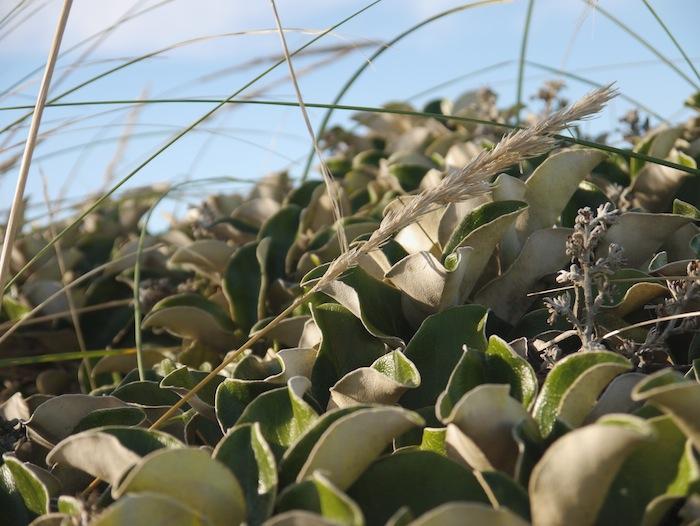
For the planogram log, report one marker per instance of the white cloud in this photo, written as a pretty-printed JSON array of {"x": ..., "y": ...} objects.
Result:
[{"x": 175, "y": 21}]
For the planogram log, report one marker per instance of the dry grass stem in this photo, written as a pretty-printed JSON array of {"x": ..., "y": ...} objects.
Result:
[
  {"x": 13, "y": 223},
  {"x": 65, "y": 280},
  {"x": 84, "y": 277},
  {"x": 67, "y": 313},
  {"x": 332, "y": 190}
]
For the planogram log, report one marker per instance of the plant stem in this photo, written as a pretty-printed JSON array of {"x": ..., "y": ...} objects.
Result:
[
  {"x": 13, "y": 224},
  {"x": 642, "y": 41},
  {"x": 588, "y": 300},
  {"x": 332, "y": 191},
  {"x": 673, "y": 39},
  {"x": 521, "y": 65}
]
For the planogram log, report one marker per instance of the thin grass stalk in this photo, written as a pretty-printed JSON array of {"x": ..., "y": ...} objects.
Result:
[
  {"x": 642, "y": 41},
  {"x": 19, "y": 323},
  {"x": 149, "y": 134},
  {"x": 558, "y": 71},
  {"x": 75, "y": 320},
  {"x": 5, "y": 166},
  {"x": 230, "y": 358},
  {"x": 81, "y": 43},
  {"x": 332, "y": 191},
  {"x": 348, "y": 84},
  {"x": 155, "y": 53},
  {"x": 173, "y": 140},
  {"x": 456, "y": 186},
  {"x": 680, "y": 316},
  {"x": 19, "y": 23},
  {"x": 616, "y": 280},
  {"x": 522, "y": 61},
  {"x": 13, "y": 223},
  {"x": 63, "y": 357},
  {"x": 121, "y": 148},
  {"x": 673, "y": 39},
  {"x": 87, "y": 52},
  {"x": 12, "y": 12},
  {"x": 335, "y": 51},
  {"x": 67, "y": 313},
  {"x": 624, "y": 152}
]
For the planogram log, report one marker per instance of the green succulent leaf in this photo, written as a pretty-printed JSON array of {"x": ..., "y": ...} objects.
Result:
[
  {"x": 389, "y": 377},
  {"x": 283, "y": 414},
  {"x": 282, "y": 229},
  {"x": 14, "y": 510},
  {"x": 217, "y": 496},
  {"x": 542, "y": 254},
  {"x": 551, "y": 186},
  {"x": 671, "y": 393},
  {"x": 482, "y": 427},
  {"x": 682, "y": 208},
  {"x": 504, "y": 365},
  {"x": 352, "y": 442},
  {"x": 657, "y": 473},
  {"x": 376, "y": 303},
  {"x": 241, "y": 285},
  {"x": 573, "y": 386},
  {"x": 204, "y": 255},
  {"x": 437, "y": 347},
  {"x": 141, "y": 509},
  {"x": 572, "y": 480},
  {"x": 247, "y": 454},
  {"x": 57, "y": 417},
  {"x": 418, "y": 480},
  {"x": 454, "y": 514},
  {"x": 194, "y": 317},
  {"x": 484, "y": 227},
  {"x": 345, "y": 346},
  {"x": 108, "y": 453},
  {"x": 318, "y": 494},
  {"x": 34, "y": 484},
  {"x": 112, "y": 416},
  {"x": 295, "y": 457}
]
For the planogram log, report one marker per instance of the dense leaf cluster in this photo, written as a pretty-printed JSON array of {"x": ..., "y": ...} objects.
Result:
[{"x": 428, "y": 385}]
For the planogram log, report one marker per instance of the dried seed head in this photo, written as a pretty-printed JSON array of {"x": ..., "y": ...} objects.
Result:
[{"x": 472, "y": 179}]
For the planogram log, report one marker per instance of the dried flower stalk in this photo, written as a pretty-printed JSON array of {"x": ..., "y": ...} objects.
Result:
[{"x": 587, "y": 271}]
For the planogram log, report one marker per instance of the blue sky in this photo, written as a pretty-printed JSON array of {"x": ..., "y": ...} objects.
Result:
[{"x": 248, "y": 142}]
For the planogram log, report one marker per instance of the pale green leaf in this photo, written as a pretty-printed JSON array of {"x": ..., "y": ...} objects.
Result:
[
  {"x": 351, "y": 443},
  {"x": 217, "y": 495}
]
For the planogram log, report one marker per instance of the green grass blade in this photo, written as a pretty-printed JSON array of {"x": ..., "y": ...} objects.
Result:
[
  {"x": 346, "y": 107},
  {"x": 642, "y": 41},
  {"x": 147, "y": 56},
  {"x": 673, "y": 39},
  {"x": 81, "y": 43},
  {"x": 62, "y": 357},
  {"x": 521, "y": 62}
]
